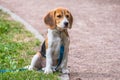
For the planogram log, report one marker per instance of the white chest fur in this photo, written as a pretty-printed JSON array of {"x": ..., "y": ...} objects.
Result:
[{"x": 54, "y": 42}]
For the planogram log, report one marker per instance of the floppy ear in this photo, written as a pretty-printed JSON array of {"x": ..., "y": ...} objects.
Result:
[
  {"x": 49, "y": 20},
  {"x": 71, "y": 20}
]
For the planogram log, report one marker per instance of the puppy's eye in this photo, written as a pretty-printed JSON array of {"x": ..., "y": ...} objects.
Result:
[
  {"x": 67, "y": 16},
  {"x": 59, "y": 16}
]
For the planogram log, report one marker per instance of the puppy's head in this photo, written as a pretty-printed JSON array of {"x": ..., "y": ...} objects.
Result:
[{"x": 59, "y": 18}]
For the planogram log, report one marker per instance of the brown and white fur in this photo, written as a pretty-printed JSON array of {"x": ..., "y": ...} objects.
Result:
[{"x": 58, "y": 21}]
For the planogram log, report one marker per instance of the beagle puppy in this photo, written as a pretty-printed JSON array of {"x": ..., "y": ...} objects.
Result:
[{"x": 58, "y": 21}]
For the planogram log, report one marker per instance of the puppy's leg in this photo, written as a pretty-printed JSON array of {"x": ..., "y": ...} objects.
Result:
[
  {"x": 48, "y": 68},
  {"x": 65, "y": 58},
  {"x": 36, "y": 62},
  {"x": 64, "y": 64}
]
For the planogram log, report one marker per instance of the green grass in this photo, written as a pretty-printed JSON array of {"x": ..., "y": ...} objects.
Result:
[
  {"x": 17, "y": 46},
  {"x": 27, "y": 75}
]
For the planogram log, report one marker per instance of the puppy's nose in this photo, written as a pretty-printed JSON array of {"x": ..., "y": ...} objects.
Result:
[{"x": 66, "y": 23}]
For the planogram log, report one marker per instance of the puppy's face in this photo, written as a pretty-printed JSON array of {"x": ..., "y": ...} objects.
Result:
[{"x": 59, "y": 18}]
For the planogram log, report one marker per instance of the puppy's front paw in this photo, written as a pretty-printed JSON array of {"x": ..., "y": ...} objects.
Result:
[
  {"x": 31, "y": 68},
  {"x": 65, "y": 71},
  {"x": 48, "y": 70}
]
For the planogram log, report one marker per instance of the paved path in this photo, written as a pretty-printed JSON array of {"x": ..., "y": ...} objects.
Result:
[{"x": 95, "y": 36}]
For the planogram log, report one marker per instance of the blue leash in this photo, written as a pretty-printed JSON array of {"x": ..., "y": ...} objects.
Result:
[
  {"x": 60, "y": 56},
  {"x": 4, "y": 71}
]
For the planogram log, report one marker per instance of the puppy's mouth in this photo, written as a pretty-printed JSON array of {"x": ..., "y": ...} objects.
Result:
[{"x": 61, "y": 29}]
